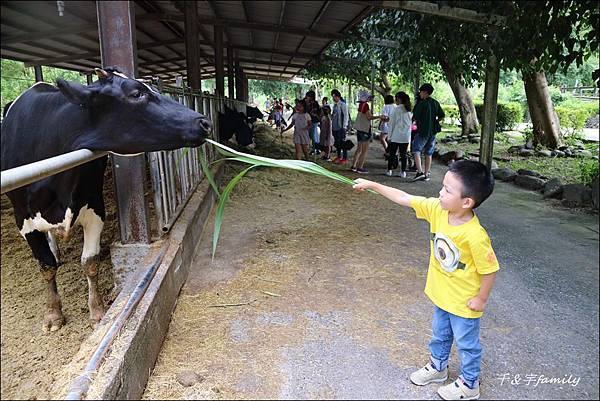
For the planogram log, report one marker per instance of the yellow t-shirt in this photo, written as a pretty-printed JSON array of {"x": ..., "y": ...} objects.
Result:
[{"x": 459, "y": 256}]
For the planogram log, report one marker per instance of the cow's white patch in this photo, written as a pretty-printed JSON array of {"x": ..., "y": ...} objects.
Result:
[
  {"x": 40, "y": 224},
  {"x": 119, "y": 74},
  {"x": 92, "y": 228},
  {"x": 35, "y": 84}
]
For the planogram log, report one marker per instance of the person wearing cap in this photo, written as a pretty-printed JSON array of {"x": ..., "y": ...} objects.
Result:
[
  {"x": 363, "y": 131},
  {"x": 427, "y": 115}
]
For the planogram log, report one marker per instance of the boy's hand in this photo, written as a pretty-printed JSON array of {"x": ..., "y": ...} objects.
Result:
[
  {"x": 361, "y": 184},
  {"x": 477, "y": 304}
]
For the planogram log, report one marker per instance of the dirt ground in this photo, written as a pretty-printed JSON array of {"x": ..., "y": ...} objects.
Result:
[
  {"x": 325, "y": 259},
  {"x": 30, "y": 357},
  {"x": 317, "y": 292}
]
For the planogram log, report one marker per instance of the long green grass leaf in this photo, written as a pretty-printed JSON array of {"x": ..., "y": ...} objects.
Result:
[
  {"x": 221, "y": 206},
  {"x": 206, "y": 170},
  {"x": 299, "y": 165},
  {"x": 255, "y": 161}
]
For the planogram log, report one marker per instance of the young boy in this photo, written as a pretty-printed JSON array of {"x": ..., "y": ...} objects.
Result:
[{"x": 462, "y": 268}]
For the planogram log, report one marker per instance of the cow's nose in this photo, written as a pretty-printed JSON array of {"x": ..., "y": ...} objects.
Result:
[{"x": 205, "y": 125}]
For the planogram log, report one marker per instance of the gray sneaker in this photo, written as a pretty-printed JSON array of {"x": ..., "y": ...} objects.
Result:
[
  {"x": 427, "y": 176},
  {"x": 458, "y": 390},
  {"x": 428, "y": 374}
]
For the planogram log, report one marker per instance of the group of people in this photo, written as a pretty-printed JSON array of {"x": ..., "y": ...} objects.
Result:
[
  {"x": 463, "y": 264},
  {"x": 306, "y": 118},
  {"x": 275, "y": 110},
  {"x": 400, "y": 125}
]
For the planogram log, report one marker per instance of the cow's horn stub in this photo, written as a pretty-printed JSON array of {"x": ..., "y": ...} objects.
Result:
[{"x": 101, "y": 73}]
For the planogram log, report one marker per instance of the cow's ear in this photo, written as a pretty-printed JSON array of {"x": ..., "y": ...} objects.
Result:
[{"x": 74, "y": 92}]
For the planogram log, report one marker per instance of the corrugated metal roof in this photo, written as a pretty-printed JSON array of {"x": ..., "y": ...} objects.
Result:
[{"x": 272, "y": 39}]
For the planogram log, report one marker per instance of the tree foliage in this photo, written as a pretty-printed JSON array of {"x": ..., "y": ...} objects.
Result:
[
  {"x": 538, "y": 36},
  {"x": 16, "y": 78}
]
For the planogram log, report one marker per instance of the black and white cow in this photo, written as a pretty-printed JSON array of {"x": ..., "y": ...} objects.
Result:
[
  {"x": 116, "y": 114},
  {"x": 233, "y": 123},
  {"x": 253, "y": 114}
]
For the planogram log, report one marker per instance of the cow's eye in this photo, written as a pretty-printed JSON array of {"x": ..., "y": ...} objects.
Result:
[{"x": 136, "y": 94}]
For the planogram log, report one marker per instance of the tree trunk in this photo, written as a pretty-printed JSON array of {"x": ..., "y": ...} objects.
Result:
[
  {"x": 546, "y": 127},
  {"x": 466, "y": 108},
  {"x": 384, "y": 87}
]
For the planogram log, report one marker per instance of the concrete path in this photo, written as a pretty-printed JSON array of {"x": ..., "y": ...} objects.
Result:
[{"x": 316, "y": 292}]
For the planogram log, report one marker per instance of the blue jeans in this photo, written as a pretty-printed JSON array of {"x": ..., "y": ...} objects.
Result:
[
  {"x": 447, "y": 327},
  {"x": 340, "y": 136},
  {"x": 423, "y": 144}
]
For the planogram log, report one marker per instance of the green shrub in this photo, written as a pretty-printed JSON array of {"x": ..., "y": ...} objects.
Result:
[
  {"x": 508, "y": 115},
  {"x": 451, "y": 111},
  {"x": 589, "y": 171},
  {"x": 572, "y": 119},
  {"x": 573, "y": 139}
]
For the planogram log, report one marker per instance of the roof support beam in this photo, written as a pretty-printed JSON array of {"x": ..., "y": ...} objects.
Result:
[
  {"x": 145, "y": 46},
  {"x": 455, "y": 13},
  {"x": 255, "y": 26},
  {"x": 220, "y": 81},
  {"x": 192, "y": 49}
]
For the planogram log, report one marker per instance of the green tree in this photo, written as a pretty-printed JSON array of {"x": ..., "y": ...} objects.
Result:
[{"x": 16, "y": 78}]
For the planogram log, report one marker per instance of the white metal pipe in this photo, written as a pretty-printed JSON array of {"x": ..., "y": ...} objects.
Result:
[{"x": 23, "y": 175}]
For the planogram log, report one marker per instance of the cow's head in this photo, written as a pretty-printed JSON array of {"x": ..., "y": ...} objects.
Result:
[{"x": 128, "y": 116}]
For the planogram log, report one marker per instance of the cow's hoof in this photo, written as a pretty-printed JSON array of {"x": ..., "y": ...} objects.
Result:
[
  {"x": 53, "y": 321},
  {"x": 96, "y": 315}
]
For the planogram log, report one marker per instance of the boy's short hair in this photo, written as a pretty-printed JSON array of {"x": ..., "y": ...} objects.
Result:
[
  {"x": 336, "y": 92},
  {"x": 426, "y": 88},
  {"x": 477, "y": 181}
]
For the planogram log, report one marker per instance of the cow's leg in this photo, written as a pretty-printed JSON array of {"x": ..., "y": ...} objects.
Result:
[
  {"x": 92, "y": 228},
  {"x": 53, "y": 246},
  {"x": 53, "y": 318}
]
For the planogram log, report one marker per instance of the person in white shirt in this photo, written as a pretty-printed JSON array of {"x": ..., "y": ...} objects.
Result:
[
  {"x": 384, "y": 125},
  {"x": 399, "y": 127}
]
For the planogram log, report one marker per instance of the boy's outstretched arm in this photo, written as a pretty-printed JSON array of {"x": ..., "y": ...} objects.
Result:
[
  {"x": 393, "y": 194},
  {"x": 478, "y": 303}
]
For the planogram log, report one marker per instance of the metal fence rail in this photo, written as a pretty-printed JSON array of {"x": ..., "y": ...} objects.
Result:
[
  {"x": 175, "y": 174},
  {"x": 23, "y": 175}
]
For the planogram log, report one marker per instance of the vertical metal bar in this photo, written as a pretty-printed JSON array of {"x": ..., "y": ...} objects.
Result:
[
  {"x": 230, "y": 73},
  {"x": 490, "y": 106},
  {"x": 245, "y": 84},
  {"x": 88, "y": 79},
  {"x": 116, "y": 29},
  {"x": 39, "y": 77},
  {"x": 192, "y": 47},
  {"x": 220, "y": 76},
  {"x": 239, "y": 86},
  {"x": 165, "y": 184},
  {"x": 156, "y": 189}
]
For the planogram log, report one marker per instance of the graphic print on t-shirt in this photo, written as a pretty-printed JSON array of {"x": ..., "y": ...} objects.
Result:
[{"x": 446, "y": 253}]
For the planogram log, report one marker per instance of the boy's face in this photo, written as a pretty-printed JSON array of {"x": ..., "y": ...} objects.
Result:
[
  {"x": 451, "y": 198},
  {"x": 423, "y": 94}
]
